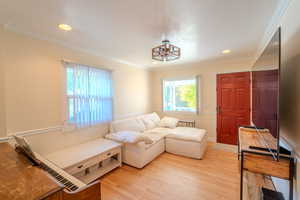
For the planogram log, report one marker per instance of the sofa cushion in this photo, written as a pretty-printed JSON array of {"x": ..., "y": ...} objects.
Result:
[
  {"x": 134, "y": 124},
  {"x": 149, "y": 124},
  {"x": 159, "y": 131},
  {"x": 129, "y": 137},
  {"x": 138, "y": 155},
  {"x": 187, "y": 134},
  {"x": 190, "y": 149},
  {"x": 150, "y": 120},
  {"x": 154, "y": 137},
  {"x": 154, "y": 117},
  {"x": 168, "y": 122}
]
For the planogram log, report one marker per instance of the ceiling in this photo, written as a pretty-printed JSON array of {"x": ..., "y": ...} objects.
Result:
[{"x": 127, "y": 30}]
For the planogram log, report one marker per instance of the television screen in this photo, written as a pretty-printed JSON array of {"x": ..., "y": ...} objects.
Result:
[{"x": 265, "y": 87}]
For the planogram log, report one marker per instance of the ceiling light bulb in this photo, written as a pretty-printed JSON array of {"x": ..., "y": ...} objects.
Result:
[
  {"x": 226, "y": 51},
  {"x": 65, "y": 27}
]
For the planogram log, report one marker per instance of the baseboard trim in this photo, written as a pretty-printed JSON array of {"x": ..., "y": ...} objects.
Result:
[
  {"x": 226, "y": 147},
  {"x": 212, "y": 139}
]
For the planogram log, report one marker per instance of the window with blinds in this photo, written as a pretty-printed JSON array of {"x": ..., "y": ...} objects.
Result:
[{"x": 89, "y": 95}]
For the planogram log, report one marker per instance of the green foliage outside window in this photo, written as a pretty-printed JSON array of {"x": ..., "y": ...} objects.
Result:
[{"x": 187, "y": 94}]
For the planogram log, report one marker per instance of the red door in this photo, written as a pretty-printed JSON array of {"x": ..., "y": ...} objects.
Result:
[{"x": 233, "y": 105}]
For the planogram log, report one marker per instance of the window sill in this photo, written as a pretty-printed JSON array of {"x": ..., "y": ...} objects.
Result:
[{"x": 181, "y": 112}]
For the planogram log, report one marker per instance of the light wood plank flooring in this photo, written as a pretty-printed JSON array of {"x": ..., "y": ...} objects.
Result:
[{"x": 171, "y": 177}]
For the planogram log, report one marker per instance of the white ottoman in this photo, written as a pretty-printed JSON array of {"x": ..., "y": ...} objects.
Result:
[{"x": 186, "y": 141}]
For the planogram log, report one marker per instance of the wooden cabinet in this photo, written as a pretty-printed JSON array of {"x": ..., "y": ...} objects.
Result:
[
  {"x": 90, "y": 193},
  {"x": 55, "y": 196}
]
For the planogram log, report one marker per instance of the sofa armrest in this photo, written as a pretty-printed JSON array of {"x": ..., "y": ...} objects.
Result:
[{"x": 187, "y": 123}]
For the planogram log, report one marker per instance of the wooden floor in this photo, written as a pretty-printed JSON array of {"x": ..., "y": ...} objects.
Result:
[{"x": 171, "y": 177}]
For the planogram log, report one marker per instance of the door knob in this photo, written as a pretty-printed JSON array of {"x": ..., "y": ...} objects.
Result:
[{"x": 218, "y": 109}]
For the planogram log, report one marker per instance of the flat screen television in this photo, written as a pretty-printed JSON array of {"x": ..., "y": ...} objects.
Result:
[{"x": 265, "y": 77}]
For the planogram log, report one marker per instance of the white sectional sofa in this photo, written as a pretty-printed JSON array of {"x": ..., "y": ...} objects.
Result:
[{"x": 185, "y": 141}]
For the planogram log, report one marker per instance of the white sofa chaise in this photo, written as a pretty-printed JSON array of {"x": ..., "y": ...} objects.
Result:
[
  {"x": 185, "y": 141},
  {"x": 189, "y": 142}
]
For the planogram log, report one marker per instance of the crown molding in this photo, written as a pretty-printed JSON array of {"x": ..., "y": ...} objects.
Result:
[
  {"x": 274, "y": 24},
  {"x": 12, "y": 28}
]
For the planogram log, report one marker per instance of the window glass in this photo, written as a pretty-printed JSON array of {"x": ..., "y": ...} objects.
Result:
[
  {"x": 180, "y": 95},
  {"x": 89, "y": 95}
]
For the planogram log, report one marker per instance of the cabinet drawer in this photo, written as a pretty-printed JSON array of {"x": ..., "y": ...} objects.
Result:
[
  {"x": 92, "y": 161},
  {"x": 83, "y": 165},
  {"x": 110, "y": 153}
]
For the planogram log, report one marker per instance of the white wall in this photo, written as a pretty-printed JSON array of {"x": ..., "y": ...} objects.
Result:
[
  {"x": 207, "y": 72},
  {"x": 290, "y": 81},
  {"x": 34, "y": 84},
  {"x": 290, "y": 86},
  {"x": 290, "y": 73}
]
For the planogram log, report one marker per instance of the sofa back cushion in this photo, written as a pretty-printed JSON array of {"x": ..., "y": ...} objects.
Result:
[
  {"x": 168, "y": 122},
  {"x": 154, "y": 117},
  {"x": 150, "y": 120},
  {"x": 149, "y": 124},
  {"x": 133, "y": 124},
  {"x": 131, "y": 137}
]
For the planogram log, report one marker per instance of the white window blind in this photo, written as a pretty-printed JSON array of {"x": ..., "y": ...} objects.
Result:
[
  {"x": 89, "y": 95},
  {"x": 180, "y": 95}
]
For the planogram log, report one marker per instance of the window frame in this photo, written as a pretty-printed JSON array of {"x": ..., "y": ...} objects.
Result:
[
  {"x": 197, "y": 111},
  {"x": 65, "y": 96}
]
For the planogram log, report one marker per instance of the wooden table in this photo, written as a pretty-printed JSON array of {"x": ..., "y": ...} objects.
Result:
[
  {"x": 262, "y": 162},
  {"x": 22, "y": 181}
]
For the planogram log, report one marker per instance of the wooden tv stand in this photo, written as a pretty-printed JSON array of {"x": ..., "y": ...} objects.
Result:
[{"x": 258, "y": 165}]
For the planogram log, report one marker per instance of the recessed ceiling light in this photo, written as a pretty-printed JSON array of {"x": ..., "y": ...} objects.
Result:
[
  {"x": 65, "y": 27},
  {"x": 226, "y": 51}
]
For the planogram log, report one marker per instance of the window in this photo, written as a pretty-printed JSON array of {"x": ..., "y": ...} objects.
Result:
[
  {"x": 89, "y": 95},
  {"x": 180, "y": 95}
]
